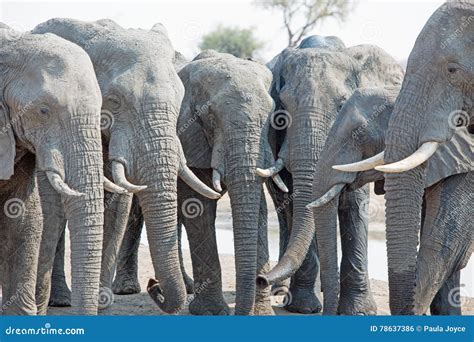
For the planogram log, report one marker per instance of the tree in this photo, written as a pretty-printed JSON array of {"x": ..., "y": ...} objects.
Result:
[
  {"x": 239, "y": 42},
  {"x": 301, "y": 16}
]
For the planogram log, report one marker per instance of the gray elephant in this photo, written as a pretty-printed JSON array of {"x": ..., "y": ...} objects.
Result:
[
  {"x": 142, "y": 94},
  {"x": 436, "y": 98},
  {"x": 51, "y": 148},
  {"x": 311, "y": 86},
  {"x": 358, "y": 133}
]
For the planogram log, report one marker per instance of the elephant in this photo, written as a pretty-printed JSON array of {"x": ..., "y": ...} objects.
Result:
[
  {"x": 51, "y": 149},
  {"x": 435, "y": 101},
  {"x": 310, "y": 86},
  {"x": 141, "y": 95},
  {"x": 358, "y": 133}
]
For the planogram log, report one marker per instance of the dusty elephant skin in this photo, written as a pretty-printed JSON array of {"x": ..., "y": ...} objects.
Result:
[
  {"x": 141, "y": 99},
  {"x": 50, "y": 113},
  {"x": 311, "y": 84},
  {"x": 223, "y": 126},
  {"x": 359, "y": 133},
  {"x": 436, "y": 96}
]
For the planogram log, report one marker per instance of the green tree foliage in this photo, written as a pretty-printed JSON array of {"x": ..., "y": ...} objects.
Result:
[
  {"x": 301, "y": 16},
  {"x": 239, "y": 42}
]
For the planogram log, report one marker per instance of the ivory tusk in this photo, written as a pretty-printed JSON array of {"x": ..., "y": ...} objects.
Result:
[
  {"x": 118, "y": 173},
  {"x": 421, "y": 155},
  {"x": 216, "y": 180},
  {"x": 60, "y": 186},
  {"x": 112, "y": 187},
  {"x": 328, "y": 196},
  {"x": 272, "y": 170},
  {"x": 196, "y": 184},
  {"x": 279, "y": 183},
  {"x": 362, "y": 165}
]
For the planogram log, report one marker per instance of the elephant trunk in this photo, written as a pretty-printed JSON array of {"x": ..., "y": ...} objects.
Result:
[
  {"x": 404, "y": 196},
  {"x": 83, "y": 168},
  {"x": 159, "y": 206},
  {"x": 244, "y": 192}
]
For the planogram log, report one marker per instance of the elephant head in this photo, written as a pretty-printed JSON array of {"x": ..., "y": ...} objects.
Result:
[
  {"x": 50, "y": 106},
  {"x": 223, "y": 125},
  {"x": 435, "y": 101},
  {"x": 142, "y": 95},
  {"x": 312, "y": 85}
]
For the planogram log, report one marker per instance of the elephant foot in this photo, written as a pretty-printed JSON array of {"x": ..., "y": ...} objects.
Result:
[
  {"x": 209, "y": 306},
  {"x": 264, "y": 308},
  {"x": 303, "y": 300},
  {"x": 125, "y": 285},
  {"x": 60, "y": 296},
  {"x": 357, "y": 304}
]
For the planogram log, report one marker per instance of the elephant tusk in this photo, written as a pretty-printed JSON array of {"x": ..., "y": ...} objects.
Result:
[
  {"x": 112, "y": 187},
  {"x": 362, "y": 165},
  {"x": 328, "y": 196},
  {"x": 279, "y": 183},
  {"x": 60, "y": 186},
  {"x": 196, "y": 184},
  {"x": 272, "y": 170},
  {"x": 118, "y": 173},
  {"x": 216, "y": 180},
  {"x": 421, "y": 155}
]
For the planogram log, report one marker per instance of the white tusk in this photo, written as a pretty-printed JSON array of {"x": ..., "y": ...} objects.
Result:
[
  {"x": 118, "y": 173},
  {"x": 328, "y": 196},
  {"x": 196, "y": 184},
  {"x": 362, "y": 165},
  {"x": 279, "y": 182},
  {"x": 421, "y": 155},
  {"x": 272, "y": 170},
  {"x": 112, "y": 187},
  {"x": 60, "y": 186},
  {"x": 216, "y": 180}
]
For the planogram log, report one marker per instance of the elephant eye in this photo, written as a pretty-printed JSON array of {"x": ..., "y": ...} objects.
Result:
[
  {"x": 452, "y": 68},
  {"x": 44, "y": 112},
  {"x": 113, "y": 102}
]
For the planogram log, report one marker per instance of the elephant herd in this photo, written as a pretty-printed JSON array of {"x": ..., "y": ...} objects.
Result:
[{"x": 105, "y": 128}]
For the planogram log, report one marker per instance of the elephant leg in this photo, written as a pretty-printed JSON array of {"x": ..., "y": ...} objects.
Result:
[
  {"x": 21, "y": 218},
  {"x": 117, "y": 209},
  {"x": 263, "y": 304},
  {"x": 447, "y": 301},
  {"x": 198, "y": 214},
  {"x": 126, "y": 277},
  {"x": 54, "y": 224},
  {"x": 60, "y": 293},
  {"x": 446, "y": 241},
  {"x": 356, "y": 297}
]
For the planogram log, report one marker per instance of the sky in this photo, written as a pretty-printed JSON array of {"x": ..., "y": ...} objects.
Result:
[{"x": 390, "y": 24}]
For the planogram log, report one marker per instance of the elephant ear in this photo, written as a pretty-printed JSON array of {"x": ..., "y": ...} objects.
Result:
[
  {"x": 374, "y": 67},
  {"x": 453, "y": 157},
  {"x": 179, "y": 61},
  {"x": 7, "y": 145}
]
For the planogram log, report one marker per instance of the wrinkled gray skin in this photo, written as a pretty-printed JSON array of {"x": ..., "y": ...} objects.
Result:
[
  {"x": 359, "y": 133},
  {"x": 312, "y": 84},
  {"x": 223, "y": 126},
  {"x": 50, "y": 114},
  {"x": 142, "y": 94},
  {"x": 439, "y": 80}
]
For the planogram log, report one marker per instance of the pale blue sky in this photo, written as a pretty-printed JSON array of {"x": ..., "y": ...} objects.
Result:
[{"x": 391, "y": 24}]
